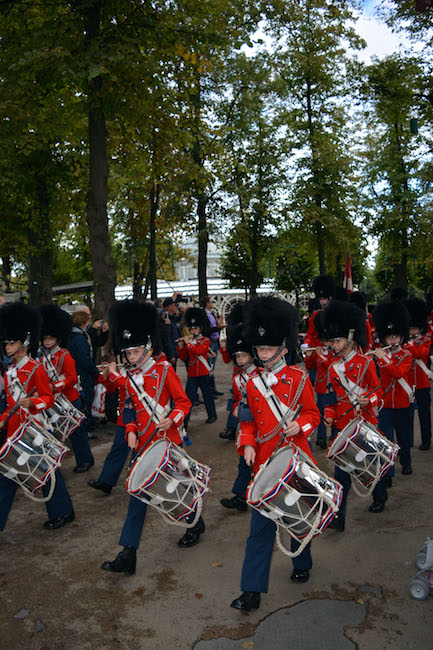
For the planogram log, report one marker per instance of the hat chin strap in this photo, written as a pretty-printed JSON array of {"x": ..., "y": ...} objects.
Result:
[
  {"x": 142, "y": 357},
  {"x": 25, "y": 345},
  {"x": 270, "y": 361}
]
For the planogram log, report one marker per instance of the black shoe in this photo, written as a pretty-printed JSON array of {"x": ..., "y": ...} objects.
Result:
[
  {"x": 192, "y": 535},
  {"x": 407, "y": 470},
  {"x": 211, "y": 420},
  {"x": 377, "y": 506},
  {"x": 388, "y": 482},
  {"x": 235, "y": 503},
  {"x": 321, "y": 442},
  {"x": 338, "y": 523},
  {"x": 228, "y": 434},
  {"x": 298, "y": 575},
  {"x": 125, "y": 562},
  {"x": 59, "y": 522},
  {"x": 99, "y": 485},
  {"x": 247, "y": 601},
  {"x": 425, "y": 446},
  {"x": 217, "y": 393},
  {"x": 79, "y": 469}
]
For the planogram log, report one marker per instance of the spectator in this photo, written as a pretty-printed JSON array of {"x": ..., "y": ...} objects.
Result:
[
  {"x": 170, "y": 331},
  {"x": 216, "y": 325}
]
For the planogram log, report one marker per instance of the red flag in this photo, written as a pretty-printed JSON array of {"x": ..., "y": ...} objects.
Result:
[{"x": 347, "y": 282}]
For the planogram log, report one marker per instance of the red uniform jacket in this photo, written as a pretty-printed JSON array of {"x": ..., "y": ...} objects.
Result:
[
  {"x": 149, "y": 378},
  {"x": 395, "y": 366},
  {"x": 420, "y": 351},
  {"x": 361, "y": 376},
  {"x": 116, "y": 381},
  {"x": 322, "y": 362},
  {"x": 258, "y": 432},
  {"x": 66, "y": 372},
  {"x": 26, "y": 370},
  {"x": 198, "y": 347},
  {"x": 311, "y": 337}
]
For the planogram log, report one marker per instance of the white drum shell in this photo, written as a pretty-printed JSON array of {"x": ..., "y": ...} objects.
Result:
[
  {"x": 362, "y": 451},
  {"x": 296, "y": 494},
  {"x": 165, "y": 477},
  {"x": 64, "y": 418},
  {"x": 29, "y": 454}
]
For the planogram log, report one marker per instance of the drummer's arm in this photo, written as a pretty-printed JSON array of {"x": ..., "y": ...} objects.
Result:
[
  {"x": 131, "y": 435},
  {"x": 246, "y": 442},
  {"x": 45, "y": 397},
  {"x": 70, "y": 372},
  {"x": 309, "y": 416}
]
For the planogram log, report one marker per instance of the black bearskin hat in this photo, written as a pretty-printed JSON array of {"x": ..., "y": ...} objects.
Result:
[
  {"x": 358, "y": 298},
  {"x": 236, "y": 333},
  {"x": 196, "y": 317},
  {"x": 271, "y": 321},
  {"x": 20, "y": 322},
  {"x": 55, "y": 322},
  {"x": 132, "y": 324},
  {"x": 338, "y": 319},
  {"x": 418, "y": 312},
  {"x": 318, "y": 325},
  {"x": 391, "y": 317},
  {"x": 341, "y": 293},
  {"x": 398, "y": 293},
  {"x": 324, "y": 286}
]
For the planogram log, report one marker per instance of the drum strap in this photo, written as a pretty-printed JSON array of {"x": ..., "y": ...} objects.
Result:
[
  {"x": 151, "y": 404},
  {"x": 352, "y": 389},
  {"x": 278, "y": 407},
  {"x": 424, "y": 368}
]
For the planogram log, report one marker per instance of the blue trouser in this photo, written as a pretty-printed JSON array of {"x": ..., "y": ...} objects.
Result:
[
  {"x": 133, "y": 526},
  {"x": 60, "y": 503},
  {"x": 116, "y": 458},
  {"x": 192, "y": 386},
  {"x": 80, "y": 441},
  {"x": 232, "y": 422},
  {"x": 398, "y": 420},
  {"x": 423, "y": 401},
  {"x": 243, "y": 478},
  {"x": 258, "y": 554},
  {"x": 379, "y": 492},
  {"x": 324, "y": 399}
]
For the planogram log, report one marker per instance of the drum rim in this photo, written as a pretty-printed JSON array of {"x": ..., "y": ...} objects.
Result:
[
  {"x": 278, "y": 486},
  {"x": 153, "y": 477}
]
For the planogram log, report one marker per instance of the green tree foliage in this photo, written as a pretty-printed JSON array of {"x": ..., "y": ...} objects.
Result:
[
  {"x": 310, "y": 37},
  {"x": 399, "y": 215}
]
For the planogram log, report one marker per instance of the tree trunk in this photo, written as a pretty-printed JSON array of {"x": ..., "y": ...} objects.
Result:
[
  {"x": 103, "y": 267},
  {"x": 7, "y": 271},
  {"x": 40, "y": 259},
  {"x": 154, "y": 201},
  {"x": 200, "y": 195}
]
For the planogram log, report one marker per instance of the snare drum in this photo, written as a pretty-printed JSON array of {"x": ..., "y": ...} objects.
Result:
[
  {"x": 295, "y": 493},
  {"x": 30, "y": 456},
  {"x": 165, "y": 477},
  {"x": 64, "y": 418},
  {"x": 363, "y": 452}
]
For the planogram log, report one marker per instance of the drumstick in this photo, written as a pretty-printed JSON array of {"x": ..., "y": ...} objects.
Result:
[
  {"x": 15, "y": 408},
  {"x": 283, "y": 437},
  {"x": 357, "y": 404}
]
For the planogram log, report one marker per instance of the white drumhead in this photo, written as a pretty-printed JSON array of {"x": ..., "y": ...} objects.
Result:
[
  {"x": 341, "y": 438},
  {"x": 268, "y": 476},
  {"x": 147, "y": 464}
]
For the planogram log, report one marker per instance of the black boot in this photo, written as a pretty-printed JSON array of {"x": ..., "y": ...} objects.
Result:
[
  {"x": 247, "y": 601},
  {"x": 192, "y": 535},
  {"x": 235, "y": 503},
  {"x": 99, "y": 485},
  {"x": 228, "y": 434},
  {"x": 125, "y": 562},
  {"x": 338, "y": 523}
]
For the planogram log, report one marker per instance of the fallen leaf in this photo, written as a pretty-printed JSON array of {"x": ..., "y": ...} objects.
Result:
[
  {"x": 360, "y": 601},
  {"x": 215, "y": 564},
  {"x": 248, "y": 645},
  {"x": 315, "y": 588},
  {"x": 139, "y": 591},
  {"x": 198, "y": 595}
]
